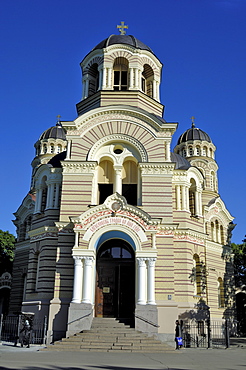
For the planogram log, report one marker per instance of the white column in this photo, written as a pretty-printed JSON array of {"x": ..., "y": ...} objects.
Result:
[
  {"x": 151, "y": 281},
  {"x": 77, "y": 283},
  {"x": 154, "y": 89},
  {"x": 104, "y": 78},
  {"x": 118, "y": 180},
  {"x": 39, "y": 202},
  {"x": 187, "y": 198},
  {"x": 131, "y": 78},
  {"x": 196, "y": 203},
  {"x": 168, "y": 156},
  {"x": 157, "y": 90},
  {"x": 153, "y": 238},
  {"x": 136, "y": 78},
  {"x": 86, "y": 91},
  {"x": 178, "y": 197},
  {"x": 141, "y": 283},
  {"x": 51, "y": 195},
  {"x": 183, "y": 197},
  {"x": 100, "y": 79},
  {"x": 86, "y": 297},
  {"x": 109, "y": 78}
]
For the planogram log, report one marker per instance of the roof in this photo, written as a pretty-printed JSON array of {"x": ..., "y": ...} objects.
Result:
[
  {"x": 54, "y": 132},
  {"x": 192, "y": 134},
  {"x": 122, "y": 39},
  {"x": 181, "y": 162}
]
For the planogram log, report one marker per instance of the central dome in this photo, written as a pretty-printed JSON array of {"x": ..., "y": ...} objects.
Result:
[{"x": 122, "y": 39}]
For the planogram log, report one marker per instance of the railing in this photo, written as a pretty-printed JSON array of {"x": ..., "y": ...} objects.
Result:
[
  {"x": 147, "y": 321},
  {"x": 12, "y": 326},
  {"x": 80, "y": 318},
  {"x": 206, "y": 334}
]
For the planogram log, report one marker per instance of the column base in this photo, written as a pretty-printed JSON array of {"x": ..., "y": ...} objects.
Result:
[
  {"x": 146, "y": 318},
  {"x": 79, "y": 318}
]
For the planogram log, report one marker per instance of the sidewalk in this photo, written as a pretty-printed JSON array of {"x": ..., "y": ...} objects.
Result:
[{"x": 186, "y": 359}]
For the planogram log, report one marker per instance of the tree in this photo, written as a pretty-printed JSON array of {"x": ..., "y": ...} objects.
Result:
[
  {"x": 239, "y": 251},
  {"x": 7, "y": 247}
]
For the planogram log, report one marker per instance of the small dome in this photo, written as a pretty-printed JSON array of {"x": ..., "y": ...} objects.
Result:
[
  {"x": 54, "y": 132},
  {"x": 56, "y": 160},
  {"x": 181, "y": 162},
  {"x": 192, "y": 134},
  {"x": 122, "y": 39}
]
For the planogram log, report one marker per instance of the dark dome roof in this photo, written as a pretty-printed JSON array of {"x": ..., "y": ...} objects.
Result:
[
  {"x": 122, "y": 39},
  {"x": 181, "y": 162},
  {"x": 192, "y": 134},
  {"x": 54, "y": 132}
]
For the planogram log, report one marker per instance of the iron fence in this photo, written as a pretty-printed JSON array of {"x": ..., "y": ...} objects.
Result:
[
  {"x": 206, "y": 334},
  {"x": 12, "y": 326}
]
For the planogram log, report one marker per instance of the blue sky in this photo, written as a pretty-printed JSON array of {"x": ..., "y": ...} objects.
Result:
[{"x": 201, "y": 44}]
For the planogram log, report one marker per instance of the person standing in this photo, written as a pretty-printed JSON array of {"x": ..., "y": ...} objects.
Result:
[{"x": 178, "y": 335}]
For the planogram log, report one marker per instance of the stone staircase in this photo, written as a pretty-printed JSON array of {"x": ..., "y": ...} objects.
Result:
[{"x": 109, "y": 335}]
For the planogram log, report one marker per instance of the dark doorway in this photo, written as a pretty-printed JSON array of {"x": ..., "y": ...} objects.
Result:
[{"x": 115, "y": 283}]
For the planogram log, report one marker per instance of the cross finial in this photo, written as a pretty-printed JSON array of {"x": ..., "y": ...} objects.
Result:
[
  {"x": 122, "y": 28},
  {"x": 58, "y": 123},
  {"x": 192, "y": 121}
]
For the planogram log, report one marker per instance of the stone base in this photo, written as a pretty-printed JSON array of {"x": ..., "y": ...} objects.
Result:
[
  {"x": 146, "y": 318},
  {"x": 79, "y": 318}
]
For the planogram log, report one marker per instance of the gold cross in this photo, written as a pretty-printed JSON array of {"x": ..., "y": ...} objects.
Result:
[
  {"x": 121, "y": 28},
  {"x": 58, "y": 117},
  {"x": 193, "y": 121}
]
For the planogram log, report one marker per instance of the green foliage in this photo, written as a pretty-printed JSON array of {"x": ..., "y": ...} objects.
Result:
[
  {"x": 239, "y": 251},
  {"x": 7, "y": 247}
]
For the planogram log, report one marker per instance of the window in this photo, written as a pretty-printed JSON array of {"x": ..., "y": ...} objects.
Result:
[
  {"x": 192, "y": 197},
  {"x": 197, "y": 273},
  {"x": 120, "y": 74},
  {"x": 129, "y": 182},
  {"x": 190, "y": 151},
  {"x": 93, "y": 79},
  {"x": 147, "y": 80},
  {"x": 221, "y": 298},
  {"x": 105, "y": 180},
  {"x": 44, "y": 194}
]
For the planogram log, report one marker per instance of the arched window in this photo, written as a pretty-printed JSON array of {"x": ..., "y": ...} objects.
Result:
[
  {"x": 198, "y": 150},
  {"x": 212, "y": 232},
  {"x": 59, "y": 148},
  {"x": 211, "y": 153},
  {"x": 222, "y": 235},
  {"x": 44, "y": 194},
  {"x": 217, "y": 232},
  {"x": 221, "y": 298},
  {"x": 93, "y": 79},
  {"x": 120, "y": 74},
  {"x": 197, "y": 275},
  {"x": 190, "y": 151},
  {"x": 129, "y": 181},
  {"x": 212, "y": 180},
  {"x": 52, "y": 148},
  {"x": 147, "y": 80},
  {"x": 45, "y": 148},
  {"x": 105, "y": 175},
  {"x": 205, "y": 151},
  {"x": 192, "y": 197},
  {"x": 184, "y": 152}
]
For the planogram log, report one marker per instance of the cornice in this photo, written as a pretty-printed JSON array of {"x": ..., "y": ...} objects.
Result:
[
  {"x": 157, "y": 168},
  {"x": 74, "y": 167},
  {"x": 43, "y": 232},
  {"x": 126, "y": 113},
  {"x": 190, "y": 236}
]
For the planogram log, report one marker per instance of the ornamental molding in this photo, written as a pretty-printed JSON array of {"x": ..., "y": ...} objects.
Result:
[
  {"x": 117, "y": 210},
  {"x": 118, "y": 137},
  {"x": 74, "y": 167},
  {"x": 215, "y": 247},
  {"x": 217, "y": 210},
  {"x": 106, "y": 114},
  {"x": 190, "y": 236},
  {"x": 43, "y": 232},
  {"x": 157, "y": 168}
]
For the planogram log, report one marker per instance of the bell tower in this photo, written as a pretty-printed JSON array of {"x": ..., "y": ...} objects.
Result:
[{"x": 121, "y": 69}]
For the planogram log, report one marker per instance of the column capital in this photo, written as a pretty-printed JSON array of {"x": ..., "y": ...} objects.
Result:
[{"x": 141, "y": 261}]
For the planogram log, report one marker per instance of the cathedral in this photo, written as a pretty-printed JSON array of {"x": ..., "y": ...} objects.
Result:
[{"x": 115, "y": 224}]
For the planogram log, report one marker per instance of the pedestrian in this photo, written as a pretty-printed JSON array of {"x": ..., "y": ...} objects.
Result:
[{"x": 178, "y": 335}]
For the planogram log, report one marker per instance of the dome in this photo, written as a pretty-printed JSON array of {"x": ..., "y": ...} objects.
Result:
[
  {"x": 181, "y": 162},
  {"x": 192, "y": 134},
  {"x": 56, "y": 160},
  {"x": 54, "y": 132},
  {"x": 122, "y": 39}
]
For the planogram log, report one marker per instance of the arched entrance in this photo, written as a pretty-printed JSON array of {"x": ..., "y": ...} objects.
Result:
[{"x": 115, "y": 280}]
